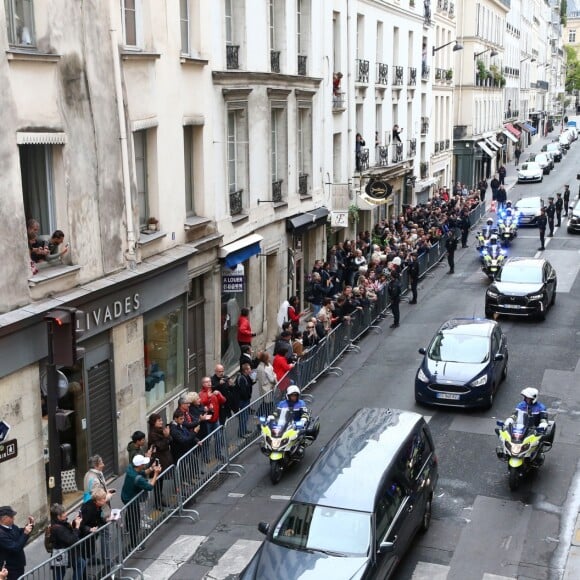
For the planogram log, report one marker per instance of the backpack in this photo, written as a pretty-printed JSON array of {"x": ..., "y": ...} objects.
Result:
[{"x": 48, "y": 543}]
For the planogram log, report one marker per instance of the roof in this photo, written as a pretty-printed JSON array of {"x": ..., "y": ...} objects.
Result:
[
  {"x": 525, "y": 262},
  {"x": 348, "y": 473},
  {"x": 469, "y": 326}
]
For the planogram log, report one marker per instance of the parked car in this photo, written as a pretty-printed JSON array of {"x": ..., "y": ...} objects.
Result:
[
  {"x": 358, "y": 508},
  {"x": 523, "y": 287},
  {"x": 555, "y": 149},
  {"x": 573, "y": 130},
  {"x": 574, "y": 219},
  {"x": 565, "y": 139},
  {"x": 544, "y": 160},
  {"x": 528, "y": 210},
  {"x": 463, "y": 365},
  {"x": 530, "y": 171}
]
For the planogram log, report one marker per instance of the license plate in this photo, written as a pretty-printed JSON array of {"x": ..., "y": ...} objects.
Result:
[
  {"x": 449, "y": 396},
  {"x": 513, "y": 306}
]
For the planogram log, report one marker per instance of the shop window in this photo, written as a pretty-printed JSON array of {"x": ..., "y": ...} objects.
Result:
[
  {"x": 20, "y": 22},
  {"x": 164, "y": 354}
]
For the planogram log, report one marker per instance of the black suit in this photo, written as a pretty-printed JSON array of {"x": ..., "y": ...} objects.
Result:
[{"x": 542, "y": 222}]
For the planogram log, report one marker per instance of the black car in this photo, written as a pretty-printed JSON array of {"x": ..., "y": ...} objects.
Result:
[
  {"x": 523, "y": 287},
  {"x": 528, "y": 210},
  {"x": 574, "y": 219},
  {"x": 463, "y": 365}
]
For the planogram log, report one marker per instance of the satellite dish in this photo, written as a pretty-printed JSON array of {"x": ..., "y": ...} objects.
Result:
[{"x": 62, "y": 388}]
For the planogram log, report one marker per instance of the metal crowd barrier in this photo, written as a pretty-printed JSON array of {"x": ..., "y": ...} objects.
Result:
[{"x": 102, "y": 554}]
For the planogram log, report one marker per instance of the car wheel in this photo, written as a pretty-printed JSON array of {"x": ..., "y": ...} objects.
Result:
[
  {"x": 542, "y": 315},
  {"x": 490, "y": 399},
  {"x": 541, "y": 179},
  {"x": 488, "y": 313},
  {"x": 505, "y": 369},
  {"x": 427, "y": 515}
]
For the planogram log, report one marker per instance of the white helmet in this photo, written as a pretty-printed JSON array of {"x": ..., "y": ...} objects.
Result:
[
  {"x": 292, "y": 390},
  {"x": 493, "y": 239},
  {"x": 530, "y": 393}
]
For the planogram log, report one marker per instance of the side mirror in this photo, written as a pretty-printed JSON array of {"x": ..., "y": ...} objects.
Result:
[
  {"x": 498, "y": 356},
  {"x": 264, "y": 527},
  {"x": 387, "y": 547},
  {"x": 422, "y": 351}
]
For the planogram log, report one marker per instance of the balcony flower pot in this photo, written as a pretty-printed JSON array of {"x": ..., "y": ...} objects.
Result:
[{"x": 153, "y": 224}]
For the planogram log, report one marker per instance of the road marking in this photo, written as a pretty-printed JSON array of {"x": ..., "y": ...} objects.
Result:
[
  {"x": 173, "y": 557},
  {"x": 234, "y": 560},
  {"x": 488, "y": 576},
  {"x": 281, "y": 497},
  {"x": 236, "y": 495},
  {"x": 427, "y": 571}
]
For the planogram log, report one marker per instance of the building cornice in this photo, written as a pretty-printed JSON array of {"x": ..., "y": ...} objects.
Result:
[{"x": 264, "y": 78}]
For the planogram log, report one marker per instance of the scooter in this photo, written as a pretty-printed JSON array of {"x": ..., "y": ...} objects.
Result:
[
  {"x": 285, "y": 439},
  {"x": 523, "y": 445},
  {"x": 493, "y": 258}
]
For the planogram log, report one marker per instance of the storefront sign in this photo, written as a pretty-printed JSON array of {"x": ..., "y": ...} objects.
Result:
[
  {"x": 233, "y": 280},
  {"x": 112, "y": 311},
  {"x": 339, "y": 219},
  {"x": 8, "y": 450}
]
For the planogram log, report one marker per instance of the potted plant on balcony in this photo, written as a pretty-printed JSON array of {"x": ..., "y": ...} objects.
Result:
[
  {"x": 153, "y": 224},
  {"x": 481, "y": 72},
  {"x": 449, "y": 74},
  {"x": 353, "y": 213}
]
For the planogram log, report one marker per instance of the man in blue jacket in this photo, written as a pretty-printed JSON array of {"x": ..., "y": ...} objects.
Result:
[{"x": 12, "y": 542}]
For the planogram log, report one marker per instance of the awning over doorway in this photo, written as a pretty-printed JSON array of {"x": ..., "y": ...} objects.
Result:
[
  {"x": 489, "y": 143},
  {"x": 515, "y": 132},
  {"x": 510, "y": 136},
  {"x": 528, "y": 128},
  {"x": 306, "y": 221},
  {"x": 495, "y": 142},
  {"x": 486, "y": 148},
  {"x": 240, "y": 250}
]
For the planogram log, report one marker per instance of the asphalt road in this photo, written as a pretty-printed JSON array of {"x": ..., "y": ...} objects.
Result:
[{"x": 480, "y": 530}]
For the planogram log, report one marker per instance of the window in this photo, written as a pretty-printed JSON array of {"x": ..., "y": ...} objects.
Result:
[
  {"x": 304, "y": 146},
  {"x": 279, "y": 150},
  {"x": 391, "y": 500},
  {"x": 37, "y": 185},
  {"x": 299, "y": 26},
  {"x": 164, "y": 353},
  {"x": 572, "y": 35},
  {"x": 237, "y": 156},
  {"x": 302, "y": 27},
  {"x": 184, "y": 26},
  {"x": 272, "y": 23},
  {"x": 229, "y": 23},
  {"x": 131, "y": 16},
  {"x": 20, "y": 22},
  {"x": 141, "y": 174}
]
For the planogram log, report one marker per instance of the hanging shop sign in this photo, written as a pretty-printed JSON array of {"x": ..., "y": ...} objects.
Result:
[
  {"x": 8, "y": 450},
  {"x": 233, "y": 280}
]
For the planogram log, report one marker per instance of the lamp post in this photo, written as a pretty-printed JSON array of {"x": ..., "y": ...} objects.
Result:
[
  {"x": 492, "y": 53},
  {"x": 455, "y": 48}
]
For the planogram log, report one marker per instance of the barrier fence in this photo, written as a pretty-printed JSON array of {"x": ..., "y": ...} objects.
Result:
[{"x": 105, "y": 552}]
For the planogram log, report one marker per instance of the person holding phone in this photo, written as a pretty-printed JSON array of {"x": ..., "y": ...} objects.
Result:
[{"x": 12, "y": 542}]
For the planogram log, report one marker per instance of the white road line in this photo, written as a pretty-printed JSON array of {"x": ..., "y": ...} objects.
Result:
[
  {"x": 428, "y": 571},
  {"x": 234, "y": 560},
  {"x": 173, "y": 557},
  {"x": 236, "y": 495},
  {"x": 488, "y": 576},
  {"x": 281, "y": 497}
]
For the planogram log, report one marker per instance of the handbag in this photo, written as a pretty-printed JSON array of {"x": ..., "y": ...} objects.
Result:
[{"x": 59, "y": 558}]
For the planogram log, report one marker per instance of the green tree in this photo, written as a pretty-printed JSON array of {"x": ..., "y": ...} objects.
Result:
[
  {"x": 563, "y": 12},
  {"x": 572, "y": 70}
]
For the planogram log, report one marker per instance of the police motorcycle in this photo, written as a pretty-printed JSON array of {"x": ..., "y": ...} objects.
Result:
[
  {"x": 482, "y": 237},
  {"x": 493, "y": 257},
  {"x": 287, "y": 432},
  {"x": 523, "y": 442},
  {"x": 507, "y": 225}
]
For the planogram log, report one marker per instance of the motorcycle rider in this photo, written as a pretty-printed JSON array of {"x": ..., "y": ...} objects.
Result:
[
  {"x": 535, "y": 410},
  {"x": 293, "y": 402},
  {"x": 488, "y": 229}
]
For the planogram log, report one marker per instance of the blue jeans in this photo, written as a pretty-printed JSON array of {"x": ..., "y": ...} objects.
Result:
[
  {"x": 243, "y": 417},
  {"x": 316, "y": 309},
  {"x": 211, "y": 427},
  {"x": 78, "y": 565}
]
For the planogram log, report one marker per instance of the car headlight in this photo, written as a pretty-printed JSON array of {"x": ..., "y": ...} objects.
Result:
[
  {"x": 479, "y": 382},
  {"x": 536, "y": 296},
  {"x": 492, "y": 293},
  {"x": 422, "y": 376}
]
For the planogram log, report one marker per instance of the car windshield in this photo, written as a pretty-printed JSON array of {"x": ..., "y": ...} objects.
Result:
[
  {"x": 552, "y": 147},
  {"x": 461, "y": 348},
  {"x": 324, "y": 529},
  {"x": 528, "y": 203},
  {"x": 527, "y": 166},
  {"x": 519, "y": 274}
]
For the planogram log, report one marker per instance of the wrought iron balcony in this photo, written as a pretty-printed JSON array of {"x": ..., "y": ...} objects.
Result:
[
  {"x": 382, "y": 74},
  {"x": 412, "y": 76},
  {"x": 425, "y": 71},
  {"x": 363, "y": 159},
  {"x": 424, "y": 125},
  {"x": 447, "y": 143},
  {"x": 277, "y": 191},
  {"x": 451, "y": 10},
  {"x": 397, "y": 152},
  {"x": 398, "y": 75},
  {"x": 275, "y": 61},
  {"x": 542, "y": 85},
  {"x": 232, "y": 56},
  {"x": 302, "y": 59},
  {"x": 436, "y": 146},
  {"x": 362, "y": 71},
  {"x": 439, "y": 74},
  {"x": 445, "y": 5},
  {"x": 236, "y": 202},
  {"x": 412, "y": 148},
  {"x": 427, "y": 14},
  {"x": 511, "y": 114},
  {"x": 441, "y": 146},
  {"x": 439, "y": 4},
  {"x": 338, "y": 102},
  {"x": 424, "y": 168},
  {"x": 382, "y": 155},
  {"x": 303, "y": 184}
]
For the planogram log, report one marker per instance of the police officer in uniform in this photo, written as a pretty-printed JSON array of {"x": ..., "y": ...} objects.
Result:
[
  {"x": 394, "y": 292},
  {"x": 451, "y": 246},
  {"x": 413, "y": 271},
  {"x": 566, "y": 199},
  {"x": 542, "y": 222},
  {"x": 464, "y": 225},
  {"x": 550, "y": 214},
  {"x": 559, "y": 205}
]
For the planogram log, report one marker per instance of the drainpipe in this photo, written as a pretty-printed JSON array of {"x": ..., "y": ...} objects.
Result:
[{"x": 130, "y": 254}]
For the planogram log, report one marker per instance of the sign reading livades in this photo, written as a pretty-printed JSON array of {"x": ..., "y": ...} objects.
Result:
[
  {"x": 8, "y": 450},
  {"x": 233, "y": 280}
]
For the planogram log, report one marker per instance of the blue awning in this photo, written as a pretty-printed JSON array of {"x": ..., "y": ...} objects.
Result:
[
  {"x": 240, "y": 250},
  {"x": 528, "y": 128}
]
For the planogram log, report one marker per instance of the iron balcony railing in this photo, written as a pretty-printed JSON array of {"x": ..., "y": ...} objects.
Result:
[
  {"x": 382, "y": 156},
  {"x": 441, "y": 145},
  {"x": 302, "y": 60},
  {"x": 236, "y": 202},
  {"x": 445, "y": 5},
  {"x": 447, "y": 143},
  {"x": 362, "y": 71},
  {"x": 451, "y": 10},
  {"x": 424, "y": 125},
  {"x": 363, "y": 159},
  {"x": 397, "y": 152},
  {"x": 398, "y": 75},
  {"x": 232, "y": 56},
  {"x": 425, "y": 71},
  {"x": 277, "y": 191},
  {"x": 511, "y": 114},
  {"x": 412, "y": 148},
  {"x": 412, "y": 76},
  {"x": 542, "y": 85},
  {"x": 424, "y": 168},
  {"x": 439, "y": 74},
  {"x": 303, "y": 184},
  {"x": 436, "y": 146},
  {"x": 275, "y": 61},
  {"x": 382, "y": 73},
  {"x": 338, "y": 102},
  {"x": 439, "y": 4}
]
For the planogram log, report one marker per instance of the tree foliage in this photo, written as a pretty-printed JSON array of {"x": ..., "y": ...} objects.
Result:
[
  {"x": 563, "y": 12},
  {"x": 572, "y": 70}
]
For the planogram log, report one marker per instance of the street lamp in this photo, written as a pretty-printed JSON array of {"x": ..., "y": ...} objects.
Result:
[
  {"x": 528, "y": 57},
  {"x": 492, "y": 53},
  {"x": 455, "y": 48}
]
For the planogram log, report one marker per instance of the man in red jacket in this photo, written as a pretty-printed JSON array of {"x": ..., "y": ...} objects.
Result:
[
  {"x": 213, "y": 400},
  {"x": 245, "y": 333}
]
